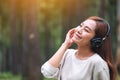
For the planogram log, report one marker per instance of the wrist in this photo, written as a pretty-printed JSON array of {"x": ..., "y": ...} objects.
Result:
[{"x": 65, "y": 44}]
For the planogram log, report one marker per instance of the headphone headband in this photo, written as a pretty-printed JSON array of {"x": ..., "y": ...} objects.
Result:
[{"x": 108, "y": 31}]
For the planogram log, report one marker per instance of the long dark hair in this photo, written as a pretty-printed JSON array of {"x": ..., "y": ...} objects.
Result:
[{"x": 105, "y": 51}]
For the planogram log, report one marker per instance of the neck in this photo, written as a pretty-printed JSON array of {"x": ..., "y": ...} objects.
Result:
[{"x": 84, "y": 53}]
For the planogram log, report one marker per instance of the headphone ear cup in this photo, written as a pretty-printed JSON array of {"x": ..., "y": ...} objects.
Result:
[{"x": 96, "y": 42}]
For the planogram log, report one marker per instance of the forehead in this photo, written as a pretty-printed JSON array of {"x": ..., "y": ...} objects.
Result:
[{"x": 90, "y": 23}]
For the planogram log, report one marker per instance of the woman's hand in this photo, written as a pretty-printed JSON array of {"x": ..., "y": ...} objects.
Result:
[
  {"x": 68, "y": 40},
  {"x": 57, "y": 57}
]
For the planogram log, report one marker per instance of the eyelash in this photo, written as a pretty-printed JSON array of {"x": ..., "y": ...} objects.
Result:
[{"x": 84, "y": 29}]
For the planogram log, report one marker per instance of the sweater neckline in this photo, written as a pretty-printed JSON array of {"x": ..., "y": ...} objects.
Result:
[{"x": 83, "y": 60}]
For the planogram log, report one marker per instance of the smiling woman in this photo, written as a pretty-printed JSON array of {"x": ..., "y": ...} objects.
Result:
[
  {"x": 92, "y": 60},
  {"x": 84, "y": 32}
]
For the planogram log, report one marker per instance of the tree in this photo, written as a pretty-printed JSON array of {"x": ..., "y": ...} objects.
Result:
[
  {"x": 47, "y": 31},
  {"x": 111, "y": 7},
  {"x": 102, "y": 8},
  {"x": 67, "y": 16},
  {"x": 31, "y": 48},
  {"x": 118, "y": 48},
  {"x": 4, "y": 41},
  {"x": 15, "y": 54}
]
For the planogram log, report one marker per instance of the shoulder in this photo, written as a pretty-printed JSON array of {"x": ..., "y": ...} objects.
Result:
[
  {"x": 99, "y": 63},
  {"x": 98, "y": 59},
  {"x": 70, "y": 52},
  {"x": 100, "y": 69},
  {"x": 68, "y": 55}
]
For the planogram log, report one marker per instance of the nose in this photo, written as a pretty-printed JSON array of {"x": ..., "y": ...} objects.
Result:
[{"x": 79, "y": 30}]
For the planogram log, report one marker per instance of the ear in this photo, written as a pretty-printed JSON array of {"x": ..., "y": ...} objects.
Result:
[{"x": 96, "y": 42}]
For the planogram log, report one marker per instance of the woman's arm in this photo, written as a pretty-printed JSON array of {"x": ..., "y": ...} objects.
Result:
[
  {"x": 50, "y": 68},
  {"x": 57, "y": 57}
]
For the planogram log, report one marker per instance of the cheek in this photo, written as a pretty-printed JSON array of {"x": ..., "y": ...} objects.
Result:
[{"x": 88, "y": 38}]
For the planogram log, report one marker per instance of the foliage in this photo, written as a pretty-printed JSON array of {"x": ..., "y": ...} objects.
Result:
[
  {"x": 9, "y": 76},
  {"x": 48, "y": 79},
  {"x": 4, "y": 39},
  {"x": 118, "y": 77}
]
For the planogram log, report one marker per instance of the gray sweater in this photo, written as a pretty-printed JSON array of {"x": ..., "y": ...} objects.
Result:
[{"x": 71, "y": 68}]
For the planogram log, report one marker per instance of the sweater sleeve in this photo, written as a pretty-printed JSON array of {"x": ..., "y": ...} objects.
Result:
[
  {"x": 101, "y": 71},
  {"x": 49, "y": 71}
]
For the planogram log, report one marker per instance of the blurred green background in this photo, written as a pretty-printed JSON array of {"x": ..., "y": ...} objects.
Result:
[{"x": 32, "y": 30}]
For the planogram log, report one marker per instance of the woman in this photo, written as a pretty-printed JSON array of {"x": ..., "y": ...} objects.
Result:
[{"x": 92, "y": 60}]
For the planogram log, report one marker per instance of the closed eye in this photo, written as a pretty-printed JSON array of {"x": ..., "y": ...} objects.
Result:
[{"x": 87, "y": 30}]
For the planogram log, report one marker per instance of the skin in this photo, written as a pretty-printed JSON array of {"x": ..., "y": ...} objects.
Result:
[{"x": 81, "y": 36}]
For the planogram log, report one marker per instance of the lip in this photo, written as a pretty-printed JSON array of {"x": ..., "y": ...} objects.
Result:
[{"x": 77, "y": 35}]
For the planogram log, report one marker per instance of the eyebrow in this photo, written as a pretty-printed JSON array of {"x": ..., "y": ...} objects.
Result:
[
  {"x": 89, "y": 28},
  {"x": 86, "y": 27}
]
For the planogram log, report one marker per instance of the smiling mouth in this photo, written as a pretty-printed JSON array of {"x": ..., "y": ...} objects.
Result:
[{"x": 77, "y": 35}]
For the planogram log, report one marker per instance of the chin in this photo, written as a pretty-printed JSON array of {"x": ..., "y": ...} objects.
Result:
[{"x": 75, "y": 40}]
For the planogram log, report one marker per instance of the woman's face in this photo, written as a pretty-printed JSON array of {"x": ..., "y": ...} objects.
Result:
[{"x": 84, "y": 33}]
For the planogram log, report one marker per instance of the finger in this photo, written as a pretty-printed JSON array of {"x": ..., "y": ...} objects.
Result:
[{"x": 71, "y": 32}]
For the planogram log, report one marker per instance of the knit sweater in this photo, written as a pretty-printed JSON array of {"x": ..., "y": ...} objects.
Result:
[{"x": 72, "y": 68}]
